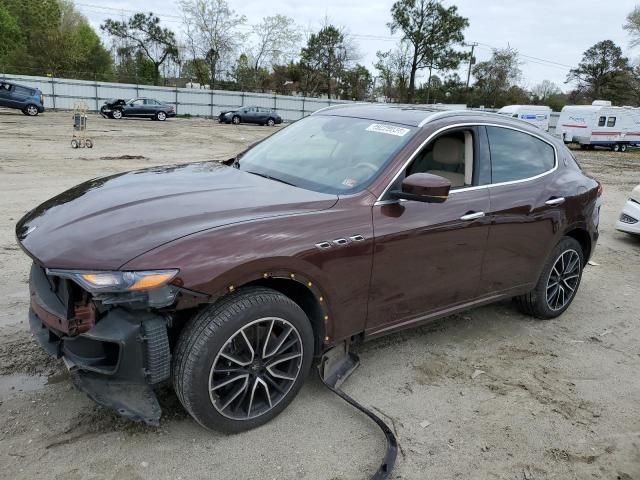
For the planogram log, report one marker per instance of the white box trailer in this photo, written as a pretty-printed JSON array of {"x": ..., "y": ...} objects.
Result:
[
  {"x": 537, "y": 115},
  {"x": 600, "y": 124}
]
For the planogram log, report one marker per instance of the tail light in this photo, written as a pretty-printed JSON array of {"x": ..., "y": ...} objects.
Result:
[
  {"x": 600, "y": 189},
  {"x": 41, "y": 99}
]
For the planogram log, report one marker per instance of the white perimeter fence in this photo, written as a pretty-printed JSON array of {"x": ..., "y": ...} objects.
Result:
[{"x": 61, "y": 93}]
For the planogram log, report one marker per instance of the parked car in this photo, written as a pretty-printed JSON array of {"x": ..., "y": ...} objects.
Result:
[
  {"x": 629, "y": 220},
  {"x": 259, "y": 115},
  {"x": 355, "y": 222},
  {"x": 29, "y": 100},
  {"x": 137, "y": 107}
]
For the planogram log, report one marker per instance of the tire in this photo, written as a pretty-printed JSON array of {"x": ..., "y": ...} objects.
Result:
[
  {"x": 616, "y": 148},
  {"x": 538, "y": 303},
  {"x": 623, "y": 148},
  {"x": 74, "y": 143},
  {"x": 89, "y": 143},
  {"x": 235, "y": 120},
  {"x": 223, "y": 336},
  {"x": 116, "y": 114},
  {"x": 30, "y": 110},
  {"x": 271, "y": 122},
  {"x": 161, "y": 116}
]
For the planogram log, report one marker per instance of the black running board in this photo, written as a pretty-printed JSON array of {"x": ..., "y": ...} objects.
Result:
[{"x": 334, "y": 368}]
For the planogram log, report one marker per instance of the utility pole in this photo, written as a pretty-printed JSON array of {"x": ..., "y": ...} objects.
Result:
[{"x": 472, "y": 61}]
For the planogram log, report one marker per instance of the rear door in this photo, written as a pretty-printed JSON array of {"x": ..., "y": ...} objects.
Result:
[{"x": 525, "y": 209}]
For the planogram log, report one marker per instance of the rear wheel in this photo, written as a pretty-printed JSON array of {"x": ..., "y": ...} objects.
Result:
[
  {"x": 623, "y": 148},
  {"x": 558, "y": 282},
  {"x": 161, "y": 116},
  {"x": 616, "y": 148},
  {"x": 271, "y": 122},
  {"x": 240, "y": 362}
]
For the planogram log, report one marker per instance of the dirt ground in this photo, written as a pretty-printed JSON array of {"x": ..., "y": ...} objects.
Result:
[{"x": 557, "y": 400}]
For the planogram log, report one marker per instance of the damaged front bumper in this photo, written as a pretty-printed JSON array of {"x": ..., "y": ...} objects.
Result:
[{"x": 116, "y": 362}]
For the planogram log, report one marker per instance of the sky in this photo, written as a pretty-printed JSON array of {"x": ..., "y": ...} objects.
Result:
[{"x": 551, "y": 35}]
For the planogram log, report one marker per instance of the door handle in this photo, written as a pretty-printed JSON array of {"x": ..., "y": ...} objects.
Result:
[
  {"x": 472, "y": 216},
  {"x": 554, "y": 202}
]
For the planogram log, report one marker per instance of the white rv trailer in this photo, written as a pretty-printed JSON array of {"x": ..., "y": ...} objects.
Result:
[
  {"x": 600, "y": 124},
  {"x": 537, "y": 115}
]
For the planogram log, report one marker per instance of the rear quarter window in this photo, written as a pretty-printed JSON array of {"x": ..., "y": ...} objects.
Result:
[{"x": 517, "y": 155}]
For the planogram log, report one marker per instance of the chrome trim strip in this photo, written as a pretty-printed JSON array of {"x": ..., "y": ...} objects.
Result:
[{"x": 476, "y": 187}]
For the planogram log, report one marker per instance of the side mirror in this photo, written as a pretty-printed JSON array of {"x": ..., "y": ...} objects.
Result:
[{"x": 424, "y": 187}]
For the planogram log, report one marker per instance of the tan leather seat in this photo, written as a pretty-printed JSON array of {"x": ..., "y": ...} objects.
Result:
[{"x": 449, "y": 151}]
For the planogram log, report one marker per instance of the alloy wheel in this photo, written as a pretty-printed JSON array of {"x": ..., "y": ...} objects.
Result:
[
  {"x": 563, "y": 280},
  {"x": 256, "y": 368},
  {"x": 32, "y": 110},
  {"x": 117, "y": 114},
  {"x": 162, "y": 116}
]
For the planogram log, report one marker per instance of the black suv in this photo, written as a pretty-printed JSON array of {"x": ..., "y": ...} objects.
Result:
[{"x": 29, "y": 100}]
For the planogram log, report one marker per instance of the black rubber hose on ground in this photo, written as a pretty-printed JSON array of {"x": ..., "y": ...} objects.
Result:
[{"x": 389, "y": 460}]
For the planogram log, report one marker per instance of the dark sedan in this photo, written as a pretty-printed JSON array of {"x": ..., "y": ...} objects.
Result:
[
  {"x": 259, "y": 115},
  {"x": 137, "y": 107}
]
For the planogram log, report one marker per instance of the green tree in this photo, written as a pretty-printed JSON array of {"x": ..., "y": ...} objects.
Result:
[
  {"x": 433, "y": 32},
  {"x": 197, "y": 69},
  {"x": 12, "y": 43},
  {"x": 633, "y": 26},
  {"x": 603, "y": 73},
  {"x": 356, "y": 83},
  {"x": 144, "y": 35},
  {"x": 327, "y": 55}
]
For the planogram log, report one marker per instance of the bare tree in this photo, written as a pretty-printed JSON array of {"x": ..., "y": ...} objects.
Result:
[
  {"x": 544, "y": 90},
  {"x": 633, "y": 26},
  {"x": 211, "y": 28},
  {"x": 277, "y": 40}
]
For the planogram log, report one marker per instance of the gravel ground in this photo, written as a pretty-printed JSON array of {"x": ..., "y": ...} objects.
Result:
[{"x": 557, "y": 399}]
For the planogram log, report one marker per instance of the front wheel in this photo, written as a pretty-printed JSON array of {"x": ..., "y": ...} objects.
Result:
[
  {"x": 117, "y": 114},
  {"x": 271, "y": 122},
  {"x": 240, "y": 362},
  {"x": 31, "y": 110},
  {"x": 558, "y": 282},
  {"x": 236, "y": 120}
]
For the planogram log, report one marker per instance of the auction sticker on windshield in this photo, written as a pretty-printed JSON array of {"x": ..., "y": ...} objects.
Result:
[{"x": 388, "y": 129}]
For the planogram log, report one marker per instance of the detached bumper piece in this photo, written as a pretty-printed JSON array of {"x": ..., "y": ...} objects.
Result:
[
  {"x": 336, "y": 365},
  {"x": 116, "y": 362}
]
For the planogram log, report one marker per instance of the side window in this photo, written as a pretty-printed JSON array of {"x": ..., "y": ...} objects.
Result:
[
  {"x": 611, "y": 122},
  {"x": 449, "y": 156},
  {"x": 138, "y": 102},
  {"x": 517, "y": 155},
  {"x": 602, "y": 121},
  {"x": 18, "y": 90}
]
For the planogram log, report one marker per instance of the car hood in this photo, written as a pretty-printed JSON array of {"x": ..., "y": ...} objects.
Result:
[{"x": 106, "y": 222}]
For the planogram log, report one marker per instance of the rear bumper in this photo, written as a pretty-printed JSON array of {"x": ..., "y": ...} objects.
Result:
[{"x": 116, "y": 361}]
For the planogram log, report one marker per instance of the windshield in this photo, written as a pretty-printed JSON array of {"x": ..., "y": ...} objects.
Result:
[{"x": 327, "y": 154}]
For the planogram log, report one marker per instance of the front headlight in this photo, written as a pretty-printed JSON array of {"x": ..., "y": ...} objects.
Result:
[{"x": 116, "y": 281}]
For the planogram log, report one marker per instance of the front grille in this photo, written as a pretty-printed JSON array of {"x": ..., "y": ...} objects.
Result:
[{"x": 624, "y": 218}]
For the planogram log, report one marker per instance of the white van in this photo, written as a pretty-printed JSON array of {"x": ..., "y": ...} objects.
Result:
[
  {"x": 537, "y": 115},
  {"x": 600, "y": 124}
]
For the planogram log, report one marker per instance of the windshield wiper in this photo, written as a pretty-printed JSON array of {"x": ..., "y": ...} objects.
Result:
[{"x": 263, "y": 175}]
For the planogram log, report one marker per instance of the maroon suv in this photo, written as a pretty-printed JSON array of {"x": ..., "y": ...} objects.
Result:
[{"x": 228, "y": 279}]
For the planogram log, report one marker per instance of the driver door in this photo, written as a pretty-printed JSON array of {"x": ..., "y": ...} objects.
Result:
[{"x": 428, "y": 256}]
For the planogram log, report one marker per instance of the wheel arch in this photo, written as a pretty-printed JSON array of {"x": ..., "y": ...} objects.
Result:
[{"x": 581, "y": 235}]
